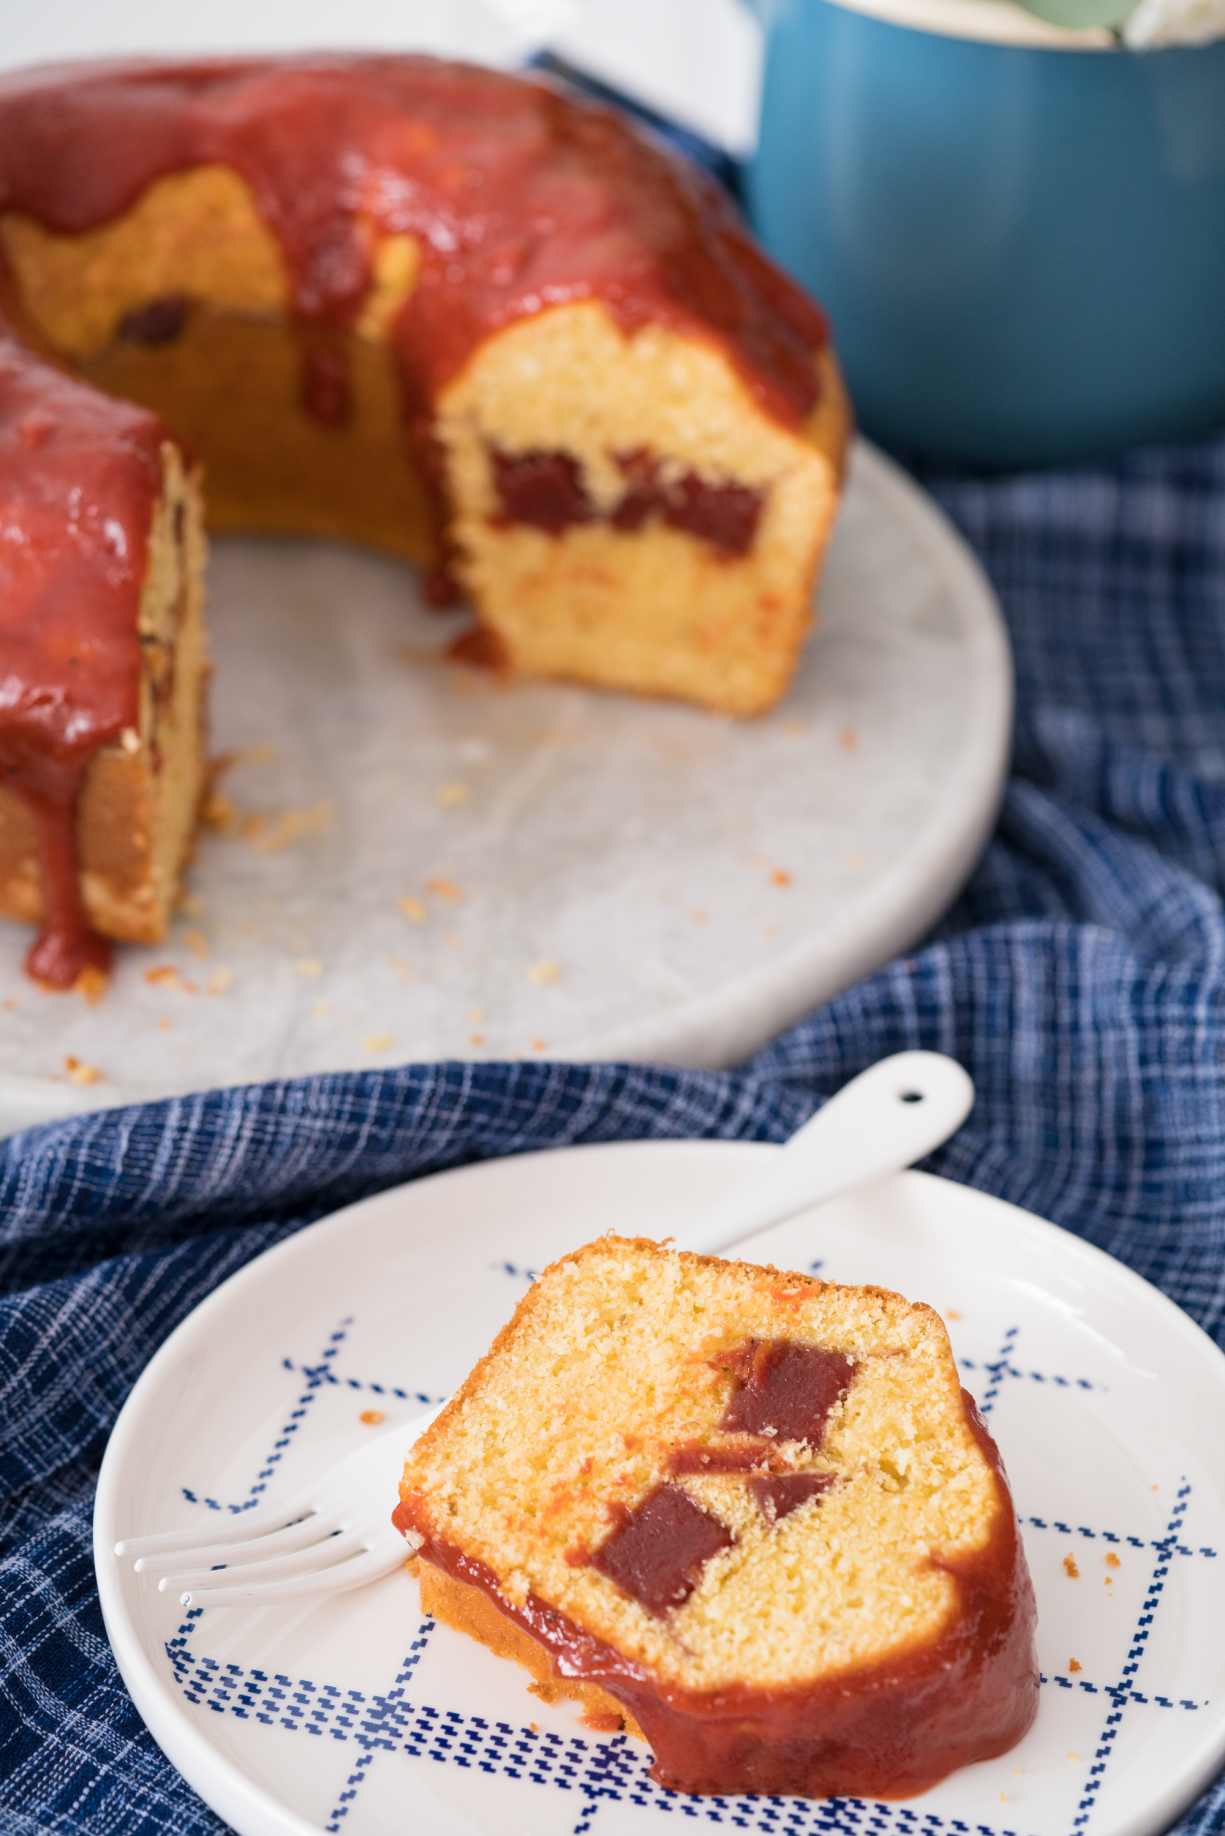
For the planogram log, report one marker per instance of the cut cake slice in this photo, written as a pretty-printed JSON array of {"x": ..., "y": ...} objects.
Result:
[{"x": 748, "y": 1514}]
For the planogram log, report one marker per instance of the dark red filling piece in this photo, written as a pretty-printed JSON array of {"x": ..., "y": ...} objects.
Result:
[
  {"x": 694, "y": 1457},
  {"x": 541, "y": 489},
  {"x": 779, "y": 1494},
  {"x": 658, "y": 1552},
  {"x": 160, "y": 322},
  {"x": 724, "y": 515},
  {"x": 786, "y": 1389},
  {"x": 644, "y": 494},
  {"x": 546, "y": 491}
]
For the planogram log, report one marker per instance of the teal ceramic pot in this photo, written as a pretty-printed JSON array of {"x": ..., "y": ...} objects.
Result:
[{"x": 1022, "y": 250}]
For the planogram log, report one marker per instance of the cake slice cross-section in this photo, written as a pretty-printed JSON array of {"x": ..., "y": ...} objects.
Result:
[{"x": 749, "y": 1515}]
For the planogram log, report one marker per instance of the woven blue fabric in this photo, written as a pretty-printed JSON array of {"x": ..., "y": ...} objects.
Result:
[{"x": 1079, "y": 978}]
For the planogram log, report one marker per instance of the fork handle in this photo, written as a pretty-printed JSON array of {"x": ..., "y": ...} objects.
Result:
[{"x": 885, "y": 1119}]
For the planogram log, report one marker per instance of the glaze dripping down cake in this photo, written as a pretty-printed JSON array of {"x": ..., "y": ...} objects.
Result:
[
  {"x": 747, "y": 1514},
  {"x": 455, "y": 314}
]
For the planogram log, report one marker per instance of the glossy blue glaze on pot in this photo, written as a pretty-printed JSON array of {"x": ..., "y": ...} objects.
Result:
[{"x": 1023, "y": 250}]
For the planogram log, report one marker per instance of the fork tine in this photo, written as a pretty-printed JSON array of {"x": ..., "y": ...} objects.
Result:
[
  {"x": 311, "y": 1529},
  {"x": 283, "y": 1512},
  {"x": 239, "y": 1528},
  {"x": 304, "y": 1561},
  {"x": 354, "y": 1573}
]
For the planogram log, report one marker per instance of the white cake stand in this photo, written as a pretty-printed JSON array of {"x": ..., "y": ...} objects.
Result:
[{"x": 425, "y": 865}]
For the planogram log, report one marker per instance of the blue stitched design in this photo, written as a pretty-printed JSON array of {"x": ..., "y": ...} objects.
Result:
[
  {"x": 321, "y": 1374},
  {"x": 315, "y": 1379},
  {"x": 1120, "y": 1693},
  {"x": 1112, "y": 1536},
  {"x": 1003, "y": 1369},
  {"x": 997, "y": 1371}
]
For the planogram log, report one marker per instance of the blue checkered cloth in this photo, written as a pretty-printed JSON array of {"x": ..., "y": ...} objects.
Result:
[{"x": 1080, "y": 978}]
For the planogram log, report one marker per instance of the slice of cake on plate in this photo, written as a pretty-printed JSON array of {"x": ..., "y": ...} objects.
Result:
[{"x": 748, "y": 1514}]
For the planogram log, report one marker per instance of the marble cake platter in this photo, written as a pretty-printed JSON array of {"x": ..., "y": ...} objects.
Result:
[
  {"x": 355, "y": 1717},
  {"x": 415, "y": 863}
]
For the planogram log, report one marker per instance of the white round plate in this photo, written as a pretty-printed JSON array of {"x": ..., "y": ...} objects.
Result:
[
  {"x": 587, "y": 875},
  {"x": 353, "y": 1715}
]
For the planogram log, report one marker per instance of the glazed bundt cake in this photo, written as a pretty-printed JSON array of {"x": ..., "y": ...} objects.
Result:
[
  {"x": 453, "y": 313},
  {"x": 750, "y": 1515}
]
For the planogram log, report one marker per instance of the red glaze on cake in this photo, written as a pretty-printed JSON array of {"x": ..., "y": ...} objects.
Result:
[
  {"x": 521, "y": 199},
  {"x": 78, "y": 476}
]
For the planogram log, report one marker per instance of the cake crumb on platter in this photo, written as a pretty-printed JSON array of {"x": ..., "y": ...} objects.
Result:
[
  {"x": 92, "y": 984},
  {"x": 273, "y": 834}
]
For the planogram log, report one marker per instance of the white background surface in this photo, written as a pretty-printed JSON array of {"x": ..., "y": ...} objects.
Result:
[
  {"x": 1105, "y": 1400},
  {"x": 696, "y": 59}
]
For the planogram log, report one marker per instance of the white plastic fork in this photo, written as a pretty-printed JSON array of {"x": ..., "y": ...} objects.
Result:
[
  {"x": 332, "y": 1534},
  {"x": 335, "y": 1533}
]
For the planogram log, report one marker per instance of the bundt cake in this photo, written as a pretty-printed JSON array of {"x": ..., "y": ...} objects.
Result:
[
  {"x": 749, "y": 1514},
  {"x": 457, "y": 314}
]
